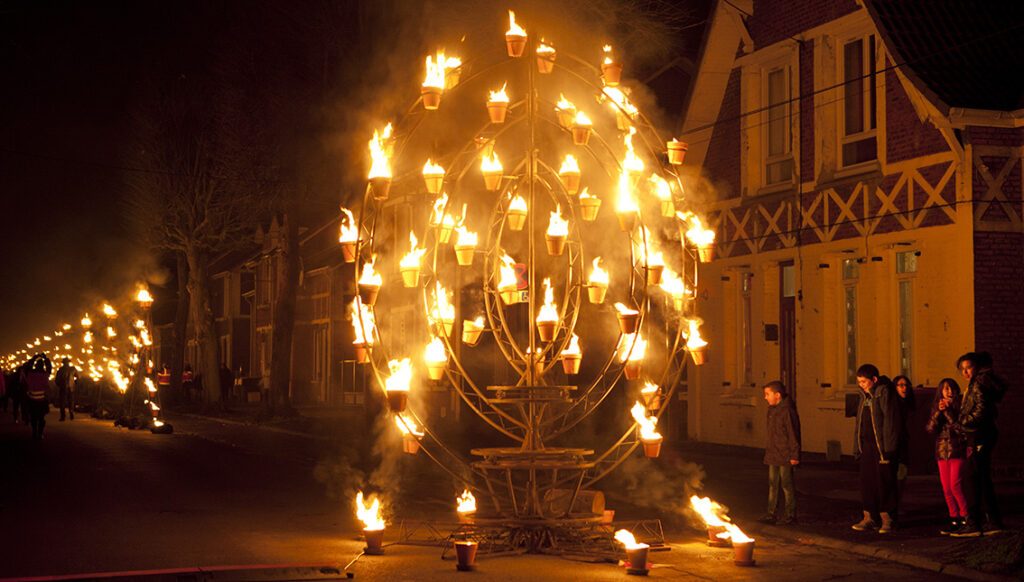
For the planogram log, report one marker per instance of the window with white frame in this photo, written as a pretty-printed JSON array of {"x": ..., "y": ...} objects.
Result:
[
  {"x": 906, "y": 267},
  {"x": 859, "y": 114},
  {"x": 778, "y": 162},
  {"x": 851, "y": 273}
]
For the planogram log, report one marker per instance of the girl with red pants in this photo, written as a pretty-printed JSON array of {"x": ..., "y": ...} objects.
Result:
[{"x": 950, "y": 451}]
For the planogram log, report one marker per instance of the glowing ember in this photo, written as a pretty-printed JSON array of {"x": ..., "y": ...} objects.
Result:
[
  {"x": 411, "y": 260},
  {"x": 548, "y": 312},
  {"x": 363, "y": 323},
  {"x": 108, "y": 311},
  {"x": 86, "y": 322},
  {"x": 111, "y": 333},
  {"x": 87, "y": 337},
  {"x": 465, "y": 503},
  {"x": 401, "y": 375},
  {"x": 647, "y": 424},
  {"x": 407, "y": 426},
  {"x": 380, "y": 165},
  {"x": 558, "y": 226},
  {"x": 348, "y": 232},
  {"x": 499, "y": 96},
  {"x": 369, "y": 514},
  {"x": 626, "y": 538}
]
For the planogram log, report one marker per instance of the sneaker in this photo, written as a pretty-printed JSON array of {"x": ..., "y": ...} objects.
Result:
[
  {"x": 767, "y": 518},
  {"x": 787, "y": 521},
  {"x": 992, "y": 528},
  {"x": 865, "y": 524},
  {"x": 954, "y": 526},
  {"x": 969, "y": 530}
]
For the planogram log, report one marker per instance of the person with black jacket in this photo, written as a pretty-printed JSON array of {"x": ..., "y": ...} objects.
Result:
[
  {"x": 950, "y": 452},
  {"x": 876, "y": 440},
  {"x": 782, "y": 451}
]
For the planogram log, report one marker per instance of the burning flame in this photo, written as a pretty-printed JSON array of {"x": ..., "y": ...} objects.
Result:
[
  {"x": 513, "y": 28},
  {"x": 109, "y": 311},
  {"x": 465, "y": 238},
  {"x": 632, "y": 347},
  {"x": 631, "y": 163},
  {"x": 443, "y": 312},
  {"x": 558, "y": 226},
  {"x": 491, "y": 164},
  {"x": 435, "y": 353},
  {"x": 585, "y": 193},
  {"x": 581, "y": 120},
  {"x": 401, "y": 375},
  {"x": 143, "y": 296},
  {"x": 465, "y": 503},
  {"x": 645, "y": 249},
  {"x": 619, "y": 102},
  {"x": 574, "y": 347},
  {"x": 348, "y": 231},
  {"x": 517, "y": 205},
  {"x": 544, "y": 49},
  {"x": 693, "y": 339},
  {"x": 710, "y": 511},
  {"x": 111, "y": 333},
  {"x": 661, "y": 188},
  {"x": 499, "y": 96},
  {"x": 434, "y": 77},
  {"x": 369, "y": 276},
  {"x": 369, "y": 515},
  {"x": 363, "y": 320},
  {"x": 673, "y": 284},
  {"x": 569, "y": 165},
  {"x": 647, "y": 424},
  {"x": 548, "y": 311},
  {"x": 565, "y": 105},
  {"x": 437, "y": 214},
  {"x": 150, "y": 387},
  {"x": 599, "y": 276},
  {"x": 430, "y": 169},
  {"x": 407, "y": 426},
  {"x": 411, "y": 260},
  {"x": 625, "y": 203},
  {"x": 380, "y": 165},
  {"x": 624, "y": 310},
  {"x": 626, "y": 538},
  {"x": 608, "y": 54},
  {"x": 507, "y": 279},
  {"x": 87, "y": 338},
  {"x": 697, "y": 234}
]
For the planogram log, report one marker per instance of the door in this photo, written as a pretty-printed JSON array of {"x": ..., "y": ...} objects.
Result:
[{"x": 787, "y": 325}]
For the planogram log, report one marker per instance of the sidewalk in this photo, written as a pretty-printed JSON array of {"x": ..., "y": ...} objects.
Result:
[{"x": 827, "y": 492}]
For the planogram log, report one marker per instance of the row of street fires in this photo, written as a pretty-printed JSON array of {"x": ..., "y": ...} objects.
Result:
[
  {"x": 114, "y": 350},
  {"x": 721, "y": 532}
]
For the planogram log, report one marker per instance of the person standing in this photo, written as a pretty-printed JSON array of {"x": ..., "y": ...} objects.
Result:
[
  {"x": 876, "y": 441},
  {"x": 226, "y": 381},
  {"x": 782, "y": 452},
  {"x": 67, "y": 377},
  {"x": 977, "y": 421},
  {"x": 37, "y": 383},
  {"x": 188, "y": 383},
  {"x": 950, "y": 452},
  {"x": 905, "y": 404}
]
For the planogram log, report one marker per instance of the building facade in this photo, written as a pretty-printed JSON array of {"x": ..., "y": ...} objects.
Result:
[{"x": 867, "y": 202}]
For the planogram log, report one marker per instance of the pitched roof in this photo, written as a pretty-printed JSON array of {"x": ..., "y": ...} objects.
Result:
[{"x": 959, "y": 53}]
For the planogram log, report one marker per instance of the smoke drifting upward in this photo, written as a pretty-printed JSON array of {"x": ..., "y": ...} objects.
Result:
[{"x": 664, "y": 487}]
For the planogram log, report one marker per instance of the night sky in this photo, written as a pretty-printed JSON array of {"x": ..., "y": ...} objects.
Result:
[{"x": 75, "y": 74}]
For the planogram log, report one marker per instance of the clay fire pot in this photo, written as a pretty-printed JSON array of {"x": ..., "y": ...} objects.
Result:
[
  {"x": 556, "y": 245},
  {"x": 447, "y": 325},
  {"x": 368, "y": 294},
  {"x": 571, "y": 181},
  {"x": 471, "y": 336},
  {"x": 444, "y": 234},
  {"x": 743, "y": 553},
  {"x": 546, "y": 64},
  {"x": 516, "y": 220},
  {"x": 410, "y": 444},
  {"x": 608, "y": 516},
  {"x": 632, "y": 369},
  {"x": 571, "y": 364},
  {"x": 581, "y": 134},
  {"x": 435, "y": 371},
  {"x": 565, "y": 117},
  {"x": 706, "y": 254},
  {"x": 654, "y": 273},
  {"x": 397, "y": 400},
  {"x": 546, "y": 329},
  {"x": 628, "y": 220},
  {"x": 362, "y": 353},
  {"x": 699, "y": 355},
  {"x": 652, "y": 448},
  {"x": 589, "y": 208},
  {"x": 410, "y": 277},
  {"x": 714, "y": 540},
  {"x": 508, "y": 296},
  {"x": 636, "y": 561},
  {"x": 676, "y": 152},
  {"x": 380, "y": 187},
  {"x": 516, "y": 44},
  {"x": 492, "y": 180},
  {"x": 612, "y": 73},
  {"x": 434, "y": 183},
  {"x": 628, "y": 322},
  {"x": 348, "y": 252},
  {"x": 597, "y": 293},
  {"x": 431, "y": 97},
  {"x": 668, "y": 208},
  {"x": 464, "y": 255},
  {"x": 497, "y": 110},
  {"x": 465, "y": 555},
  {"x": 374, "y": 541}
]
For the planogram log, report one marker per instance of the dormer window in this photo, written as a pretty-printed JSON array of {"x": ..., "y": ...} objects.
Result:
[{"x": 860, "y": 102}]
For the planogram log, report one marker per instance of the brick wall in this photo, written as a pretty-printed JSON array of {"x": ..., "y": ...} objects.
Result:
[
  {"x": 907, "y": 137},
  {"x": 995, "y": 136},
  {"x": 775, "y": 20},
  {"x": 723, "y": 158}
]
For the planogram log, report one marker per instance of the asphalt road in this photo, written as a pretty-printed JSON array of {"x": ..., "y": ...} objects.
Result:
[{"x": 93, "y": 498}]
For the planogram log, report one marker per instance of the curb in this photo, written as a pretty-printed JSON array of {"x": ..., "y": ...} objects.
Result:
[
  {"x": 250, "y": 425},
  {"x": 882, "y": 554}
]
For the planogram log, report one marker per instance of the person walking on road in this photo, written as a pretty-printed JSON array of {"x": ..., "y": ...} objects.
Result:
[
  {"x": 782, "y": 452},
  {"x": 67, "y": 377},
  {"x": 37, "y": 384},
  {"x": 950, "y": 452},
  {"x": 876, "y": 441}
]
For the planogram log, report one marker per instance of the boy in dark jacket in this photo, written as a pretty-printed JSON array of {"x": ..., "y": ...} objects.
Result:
[
  {"x": 782, "y": 451},
  {"x": 876, "y": 440}
]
